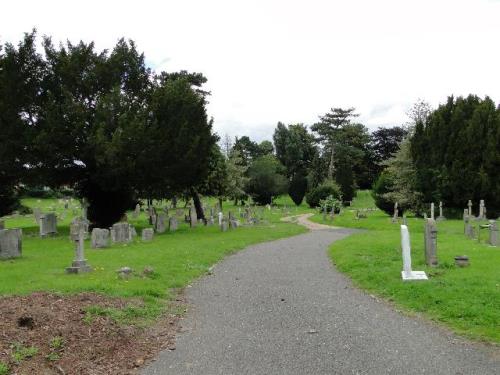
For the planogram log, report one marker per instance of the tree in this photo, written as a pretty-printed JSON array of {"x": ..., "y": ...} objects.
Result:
[
  {"x": 236, "y": 179},
  {"x": 298, "y": 187},
  {"x": 329, "y": 128},
  {"x": 266, "y": 179},
  {"x": 384, "y": 143},
  {"x": 456, "y": 153},
  {"x": 102, "y": 123},
  {"x": 247, "y": 149},
  {"x": 265, "y": 148},
  {"x": 21, "y": 71}
]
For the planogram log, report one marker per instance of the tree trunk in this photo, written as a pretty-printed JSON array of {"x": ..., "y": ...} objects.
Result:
[
  {"x": 197, "y": 205},
  {"x": 331, "y": 167}
]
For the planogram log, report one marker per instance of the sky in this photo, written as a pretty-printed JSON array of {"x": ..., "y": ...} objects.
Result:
[{"x": 291, "y": 61}]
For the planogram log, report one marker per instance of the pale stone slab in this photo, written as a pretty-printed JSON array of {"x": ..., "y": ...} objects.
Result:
[
  {"x": 99, "y": 238},
  {"x": 147, "y": 234},
  {"x": 161, "y": 223},
  {"x": 173, "y": 224},
  {"x": 121, "y": 233},
  {"x": 48, "y": 224},
  {"x": 413, "y": 275},
  {"x": 10, "y": 243}
]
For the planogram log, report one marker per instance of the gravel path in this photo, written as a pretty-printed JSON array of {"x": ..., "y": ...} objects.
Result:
[{"x": 282, "y": 308}]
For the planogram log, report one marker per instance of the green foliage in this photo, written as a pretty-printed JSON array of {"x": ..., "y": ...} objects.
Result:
[
  {"x": 330, "y": 203},
  {"x": 381, "y": 187},
  {"x": 266, "y": 179},
  {"x": 21, "y": 352},
  {"x": 344, "y": 178},
  {"x": 456, "y": 154},
  {"x": 384, "y": 143},
  {"x": 57, "y": 343},
  {"x": 297, "y": 188},
  {"x": 323, "y": 191},
  {"x": 4, "y": 368}
]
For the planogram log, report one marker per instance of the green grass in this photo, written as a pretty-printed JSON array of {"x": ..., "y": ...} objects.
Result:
[
  {"x": 467, "y": 300},
  {"x": 4, "y": 368},
  {"x": 177, "y": 258}
]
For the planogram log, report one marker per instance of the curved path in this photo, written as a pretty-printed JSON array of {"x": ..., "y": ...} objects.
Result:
[{"x": 281, "y": 308}]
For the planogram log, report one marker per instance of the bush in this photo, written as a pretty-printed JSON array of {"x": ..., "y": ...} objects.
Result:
[
  {"x": 345, "y": 179},
  {"x": 322, "y": 192},
  {"x": 265, "y": 179},
  {"x": 329, "y": 203},
  {"x": 298, "y": 187},
  {"x": 381, "y": 187},
  {"x": 9, "y": 199}
]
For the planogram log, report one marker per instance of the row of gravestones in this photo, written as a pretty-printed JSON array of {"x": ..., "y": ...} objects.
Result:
[{"x": 430, "y": 247}]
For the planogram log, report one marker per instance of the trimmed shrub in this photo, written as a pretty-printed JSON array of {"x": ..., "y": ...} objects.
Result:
[
  {"x": 322, "y": 192},
  {"x": 381, "y": 187},
  {"x": 297, "y": 188}
]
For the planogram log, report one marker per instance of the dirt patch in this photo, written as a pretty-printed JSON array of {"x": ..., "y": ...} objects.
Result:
[{"x": 49, "y": 334}]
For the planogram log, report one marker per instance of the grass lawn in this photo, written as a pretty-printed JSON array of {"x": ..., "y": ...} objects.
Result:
[
  {"x": 177, "y": 258},
  {"x": 465, "y": 299}
]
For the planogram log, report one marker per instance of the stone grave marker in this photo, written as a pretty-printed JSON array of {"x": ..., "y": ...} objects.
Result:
[
  {"x": 147, "y": 234},
  {"x": 193, "y": 219},
  {"x": 469, "y": 204},
  {"x": 233, "y": 223},
  {"x": 432, "y": 210},
  {"x": 37, "y": 213},
  {"x": 441, "y": 216},
  {"x": 430, "y": 243},
  {"x": 161, "y": 223},
  {"x": 79, "y": 264},
  {"x": 493, "y": 235},
  {"x": 10, "y": 243},
  {"x": 173, "y": 224},
  {"x": 468, "y": 227},
  {"x": 137, "y": 211},
  {"x": 223, "y": 225},
  {"x": 408, "y": 274},
  {"x": 99, "y": 238},
  {"x": 220, "y": 217},
  {"x": 482, "y": 210},
  {"x": 48, "y": 224},
  {"x": 121, "y": 233},
  {"x": 396, "y": 213}
]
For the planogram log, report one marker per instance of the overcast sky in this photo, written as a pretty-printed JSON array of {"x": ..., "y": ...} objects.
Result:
[{"x": 291, "y": 61}]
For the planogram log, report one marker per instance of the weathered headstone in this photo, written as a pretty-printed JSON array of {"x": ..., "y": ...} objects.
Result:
[
  {"x": 396, "y": 213},
  {"x": 493, "y": 237},
  {"x": 430, "y": 242},
  {"x": 408, "y": 274},
  {"x": 223, "y": 225},
  {"x": 79, "y": 265},
  {"x": 441, "y": 216},
  {"x": 137, "y": 211},
  {"x": 193, "y": 218},
  {"x": 432, "y": 210},
  {"x": 220, "y": 217},
  {"x": 121, "y": 233},
  {"x": 48, "y": 224},
  {"x": 468, "y": 227},
  {"x": 99, "y": 238},
  {"x": 233, "y": 223},
  {"x": 147, "y": 234},
  {"x": 10, "y": 243},
  {"x": 161, "y": 223},
  {"x": 75, "y": 225},
  {"x": 173, "y": 224},
  {"x": 469, "y": 204},
  {"x": 210, "y": 221},
  {"x": 37, "y": 213},
  {"x": 482, "y": 210}
]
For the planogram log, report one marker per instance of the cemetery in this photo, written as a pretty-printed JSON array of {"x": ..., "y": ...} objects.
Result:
[{"x": 153, "y": 222}]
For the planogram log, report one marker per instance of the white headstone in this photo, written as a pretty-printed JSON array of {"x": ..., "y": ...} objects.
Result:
[{"x": 407, "y": 274}]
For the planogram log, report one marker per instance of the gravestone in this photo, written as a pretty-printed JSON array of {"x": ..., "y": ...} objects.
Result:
[
  {"x": 74, "y": 228},
  {"x": 10, "y": 243},
  {"x": 147, "y": 234},
  {"x": 79, "y": 265},
  {"x": 99, "y": 238},
  {"x": 482, "y": 210},
  {"x": 121, "y": 233},
  {"x": 161, "y": 223},
  {"x": 408, "y": 274},
  {"x": 48, "y": 224},
  {"x": 493, "y": 237},
  {"x": 37, "y": 213},
  {"x": 432, "y": 210},
  {"x": 233, "y": 223},
  {"x": 193, "y": 219},
  {"x": 220, "y": 217},
  {"x": 2, "y": 224},
  {"x": 324, "y": 212},
  {"x": 173, "y": 224},
  {"x": 430, "y": 243},
  {"x": 396, "y": 213},
  {"x": 469, "y": 204},
  {"x": 468, "y": 227},
  {"x": 137, "y": 211},
  {"x": 441, "y": 216},
  {"x": 223, "y": 225},
  {"x": 210, "y": 221}
]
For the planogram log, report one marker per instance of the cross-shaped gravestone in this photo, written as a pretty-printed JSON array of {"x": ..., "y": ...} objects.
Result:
[{"x": 79, "y": 265}]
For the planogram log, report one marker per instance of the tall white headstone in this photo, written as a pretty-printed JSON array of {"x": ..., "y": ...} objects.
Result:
[
  {"x": 407, "y": 274},
  {"x": 432, "y": 210}
]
